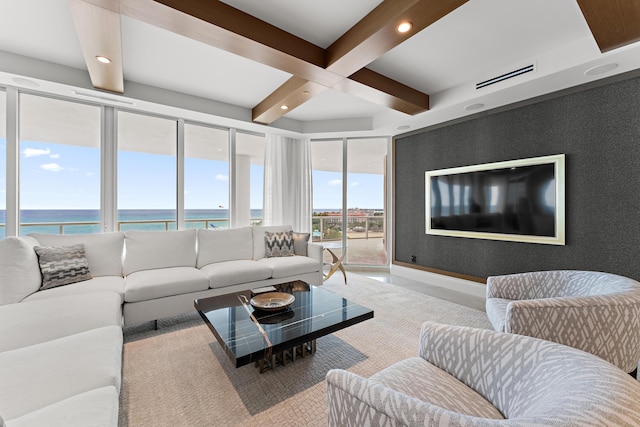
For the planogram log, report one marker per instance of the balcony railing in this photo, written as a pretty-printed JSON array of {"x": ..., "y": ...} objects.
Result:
[
  {"x": 366, "y": 242},
  {"x": 327, "y": 228},
  {"x": 93, "y": 226}
]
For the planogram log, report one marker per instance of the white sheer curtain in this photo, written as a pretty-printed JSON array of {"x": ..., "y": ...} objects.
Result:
[{"x": 287, "y": 183}]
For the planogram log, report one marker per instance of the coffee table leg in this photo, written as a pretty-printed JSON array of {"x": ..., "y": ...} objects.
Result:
[{"x": 266, "y": 364}]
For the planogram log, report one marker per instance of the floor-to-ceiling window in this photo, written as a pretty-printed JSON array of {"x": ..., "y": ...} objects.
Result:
[
  {"x": 147, "y": 172},
  {"x": 365, "y": 228},
  {"x": 62, "y": 188},
  {"x": 3, "y": 164},
  {"x": 59, "y": 166},
  {"x": 249, "y": 178},
  {"x": 356, "y": 169},
  {"x": 327, "y": 167},
  {"x": 206, "y": 176}
]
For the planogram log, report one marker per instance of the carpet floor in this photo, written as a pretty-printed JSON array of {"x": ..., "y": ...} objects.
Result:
[{"x": 179, "y": 375}]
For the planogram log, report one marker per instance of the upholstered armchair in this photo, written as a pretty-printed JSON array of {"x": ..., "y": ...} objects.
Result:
[
  {"x": 593, "y": 311},
  {"x": 477, "y": 377}
]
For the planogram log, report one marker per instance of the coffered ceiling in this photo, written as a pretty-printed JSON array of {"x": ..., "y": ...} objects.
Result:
[{"x": 336, "y": 65}]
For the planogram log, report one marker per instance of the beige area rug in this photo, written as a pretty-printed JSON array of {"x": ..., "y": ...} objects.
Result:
[{"x": 179, "y": 375}]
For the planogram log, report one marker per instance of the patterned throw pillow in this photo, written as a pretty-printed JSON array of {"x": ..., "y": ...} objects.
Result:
[
  {"x": 278, "y": 243},
  {"x": 300, "y": 241},
  {"x": 62, "y": 265}
]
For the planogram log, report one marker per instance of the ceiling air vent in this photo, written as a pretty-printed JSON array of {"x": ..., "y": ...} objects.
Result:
[{"x": 505, "y": 76}]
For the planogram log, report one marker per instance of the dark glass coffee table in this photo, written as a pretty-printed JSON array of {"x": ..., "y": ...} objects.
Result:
[{"x": 272, "y": 338}]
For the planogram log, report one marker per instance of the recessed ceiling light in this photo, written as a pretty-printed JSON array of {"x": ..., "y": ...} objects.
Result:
[
  {"x": 404, "y": 27},
  {"x": 103, "y": 59},
  {"x": 403, "y": 127},
  {"x": 472, "y": 107},
  {"x": 284, "y": 107},
  {"x": 25, "y": 82},
  {"x": 600, "y": 69}
]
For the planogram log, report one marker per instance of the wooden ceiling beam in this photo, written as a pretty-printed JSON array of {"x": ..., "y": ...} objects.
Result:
[
  {"x": 313, "y": 70},
  {"x": 382, "y": 90},
  {"x": 293, "y": 93},
  {"x": 219, "y": 25},
  {"x": 613, "y": 23},
  {"x": 373, "y": 36},
  {"x": 97, "y": 24},
  {"x": 376, "y": 34}
]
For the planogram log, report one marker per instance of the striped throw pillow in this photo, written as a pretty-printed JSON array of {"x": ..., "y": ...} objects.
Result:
[{"x": 62, "y": 265}]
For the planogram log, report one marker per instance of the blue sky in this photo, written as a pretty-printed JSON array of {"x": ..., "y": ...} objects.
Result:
[
  {"x": 58, "y": 176},
  {"x": 364, "y": 191}
]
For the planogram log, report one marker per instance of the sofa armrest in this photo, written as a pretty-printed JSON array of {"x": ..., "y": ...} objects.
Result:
[
  {"x": 315, "y": 251},
  {"x": 356, "y": 401},
  {"x": 612, "y": 322}
]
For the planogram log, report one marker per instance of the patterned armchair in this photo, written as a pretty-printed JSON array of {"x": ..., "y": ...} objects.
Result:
[
  {"x": 593, "y": 311},
  {"x": 476, "y": 377}
]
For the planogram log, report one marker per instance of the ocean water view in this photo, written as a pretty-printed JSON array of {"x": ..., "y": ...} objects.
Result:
[{"x": 80, "y": 221}]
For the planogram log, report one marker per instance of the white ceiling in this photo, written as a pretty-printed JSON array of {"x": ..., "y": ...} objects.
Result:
[{"x": 481, "y": 39}]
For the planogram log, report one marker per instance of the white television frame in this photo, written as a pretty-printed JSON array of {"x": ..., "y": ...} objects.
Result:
[{"x": 557, "y": 160}]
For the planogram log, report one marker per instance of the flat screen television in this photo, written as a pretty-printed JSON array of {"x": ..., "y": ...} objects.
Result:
[{"x": 517, "y": 200}]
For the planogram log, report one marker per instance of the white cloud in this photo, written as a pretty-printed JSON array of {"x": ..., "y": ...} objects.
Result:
[
  {"x": 74, "y": 169},
  {"x": 221, "y": 177},
  {"x": 90, "y": 173},
  {"x": 335, "y": 182},
  {"x": 51, "y": 167},
  {"x": 55, "y": 156},
  {"x": 33, "y": 152},
  {"x": 355, "y": 184}
]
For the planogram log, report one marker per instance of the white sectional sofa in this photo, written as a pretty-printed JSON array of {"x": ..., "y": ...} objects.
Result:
[{"x": 61, "y": 348}]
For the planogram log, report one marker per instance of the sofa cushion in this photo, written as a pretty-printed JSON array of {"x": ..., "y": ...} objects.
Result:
[
  {"x": 34, "y": 322},
  {"x": 39, "y": 375},
  {"x": 62, "y": 265},
  {"x": 97, "y": 407},
  {"x": 224, "y": 245},
  {"x": 97, "y": 284},
  {"x": 103, "y": 250},
  {"x": 222, "y": 274},
  {"x": 278, "y": 243},
  {"x": 420, "y": 379},
  {"x": 289, "y": 266},
  {"x": 163, "y": 282},
  {"x": 19, "y": 269},
  {"x": 259, "y": 247},
  {"x": 300, "y": 243},
  {"x": 148, "y": 250},
  {"x": 497, "y": 312}
]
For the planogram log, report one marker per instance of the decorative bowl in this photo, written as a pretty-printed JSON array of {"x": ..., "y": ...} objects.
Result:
[{"x": 272, "y": 301}]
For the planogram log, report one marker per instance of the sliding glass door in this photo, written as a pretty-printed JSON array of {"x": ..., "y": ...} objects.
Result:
[
  {"x": 349, "y": 198},
  {"x": 366, "y": 197}
]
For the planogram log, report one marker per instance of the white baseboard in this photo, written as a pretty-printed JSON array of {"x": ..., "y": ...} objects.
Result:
[{"x": 448, "y": 282}]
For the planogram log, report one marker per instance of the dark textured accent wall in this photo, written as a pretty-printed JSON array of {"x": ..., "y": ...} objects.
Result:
[{"x": 599, "y": 132}]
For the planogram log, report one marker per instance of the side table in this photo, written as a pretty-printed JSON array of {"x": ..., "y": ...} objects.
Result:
[{"x": 336, "y": 262}]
